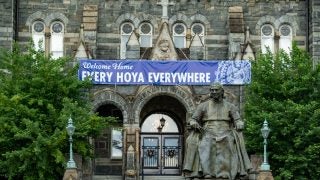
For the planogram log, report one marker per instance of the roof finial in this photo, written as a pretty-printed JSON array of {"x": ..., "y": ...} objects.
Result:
[{"x": 165, "y": 4}]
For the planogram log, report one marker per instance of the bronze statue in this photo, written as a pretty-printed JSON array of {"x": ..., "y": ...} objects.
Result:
[{"x": 220, "y": 147}]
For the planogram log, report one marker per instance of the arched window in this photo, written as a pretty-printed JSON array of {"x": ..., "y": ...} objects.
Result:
[
  {"x": 285, "y": 41},
  {"x": 126, "y": 30},
  {"x": 56, "y": 43},
  {"x": 145, "y": 31},
  {"x": 198, "y": 28},
  {"x": 109, "y": 144},
  {"x": 38, "y": 35},
  {"x": 152, "y": 123},
  {"x": 179, "y": 35},
  {"x": 267, "y": 38}
]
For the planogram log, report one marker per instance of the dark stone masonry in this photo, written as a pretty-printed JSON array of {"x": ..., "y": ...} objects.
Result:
[{"x": 133, "y": 29}]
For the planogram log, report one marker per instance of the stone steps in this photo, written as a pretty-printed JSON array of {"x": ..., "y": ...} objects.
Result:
[{"x": 106, "y": 177}]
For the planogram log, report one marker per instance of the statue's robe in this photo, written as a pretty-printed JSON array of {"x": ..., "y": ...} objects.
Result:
[{"x": 221, "y": 149}]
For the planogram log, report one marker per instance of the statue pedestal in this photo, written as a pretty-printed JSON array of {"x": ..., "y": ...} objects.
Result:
[
  {"x": 265, "y": 175},
  {"x": 70, "y": 174}
]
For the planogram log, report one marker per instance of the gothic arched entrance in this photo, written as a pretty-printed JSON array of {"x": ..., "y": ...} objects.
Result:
[
  {"x": 108, "y": 146},
  {"x": 161, "y": 140}
]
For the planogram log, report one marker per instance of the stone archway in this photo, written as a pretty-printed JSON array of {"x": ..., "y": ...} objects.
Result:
[
  {"x": 182, "y": 93},
  {"x": 108, "y": 147},
  {"x": 176, "y": 102},
  {"x": 108, "y": 96},
  {"x": 161, "y": 138}
]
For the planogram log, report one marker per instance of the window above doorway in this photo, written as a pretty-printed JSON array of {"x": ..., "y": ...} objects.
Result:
[{"x": 152, "y": 124}]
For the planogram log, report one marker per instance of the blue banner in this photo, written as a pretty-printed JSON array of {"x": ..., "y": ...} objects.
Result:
[{"x": 143, "y": 72}]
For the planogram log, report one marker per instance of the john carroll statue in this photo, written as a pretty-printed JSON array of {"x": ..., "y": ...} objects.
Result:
[{"x": 220, "y": 151}]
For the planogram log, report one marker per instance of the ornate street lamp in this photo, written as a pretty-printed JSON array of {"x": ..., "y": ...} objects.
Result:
[
  {"x": 70, "y": 130},
  {"x": 161, "y": 125},
  {"x": 162, "y": 122},
  {"x": 265, "y": 130}
]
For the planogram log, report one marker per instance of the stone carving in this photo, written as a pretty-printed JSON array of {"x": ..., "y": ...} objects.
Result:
[
  {"x": 164, "y": 48},
  {"x": 163, "y": 51},
  {"x": 215, "y": 146}
]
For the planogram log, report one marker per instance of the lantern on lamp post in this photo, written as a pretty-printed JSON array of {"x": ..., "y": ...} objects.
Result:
[
  {"x": 70, "y": 130},
  {"x": 265, "y": 130},
  {"x": 161, "y": 125}
]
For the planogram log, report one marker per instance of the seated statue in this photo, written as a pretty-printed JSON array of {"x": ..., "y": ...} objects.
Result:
[{"x": 220, "y": 147}]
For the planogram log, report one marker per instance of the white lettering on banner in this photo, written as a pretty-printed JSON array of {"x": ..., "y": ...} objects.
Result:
[
  {"x": 169, "y": 73},
  {"x": 130, "y": 77},
  {"x": 119, "y": 66},
  {"x": 95, "y": 66},
  {"x": 97, "y": 76},
  {"x": 163, "y": 77}
]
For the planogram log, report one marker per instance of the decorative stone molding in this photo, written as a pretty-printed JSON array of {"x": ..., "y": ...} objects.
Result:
[
  {"x": 200, "y": 18},
  {"x": 56, "y": 16},
  {"x": 265, "y": 175},
  {"x": 39, "y": 15},
  {"x": 286, "y": 19},
  {"x": 46, "y": 18},
  {"x": 126, "y": 17},
  {"x": 108, "y": 96},
  {"x": 276, "y": 23},
  {"x": 146, "y": 93},
  {"x": 148, "y": 18},
  {"x": 179, "y": 17},
  {"x": 164, "y": 46},
  {"x": 71, "y": 174},
  {"x": 264, "y": 20}
]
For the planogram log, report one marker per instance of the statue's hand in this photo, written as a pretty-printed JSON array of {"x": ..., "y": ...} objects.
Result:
[
  {"x": 239, "y": 125},
  {"x": 194, "y": 125}
]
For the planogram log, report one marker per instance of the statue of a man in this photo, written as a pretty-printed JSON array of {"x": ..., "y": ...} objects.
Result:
[{"x": 221, "y": 148}]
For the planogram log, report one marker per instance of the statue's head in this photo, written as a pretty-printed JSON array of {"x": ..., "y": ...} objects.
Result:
[
  {"x": 216, "y": 92},
  {"x": 164, "y": 45}
]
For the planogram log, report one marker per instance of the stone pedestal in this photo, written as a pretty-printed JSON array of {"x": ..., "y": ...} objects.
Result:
[
  {"x": 265, "y": 175},
  {"x": 70, "y": 174}
]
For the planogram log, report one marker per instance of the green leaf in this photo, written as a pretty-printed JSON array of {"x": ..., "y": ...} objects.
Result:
[
  {"x": 285, "y": 91},
  {"x": 37, "y": 96}
]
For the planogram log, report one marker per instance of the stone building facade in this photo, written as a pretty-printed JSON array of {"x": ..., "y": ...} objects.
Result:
[{"x": 131, "y": 29}]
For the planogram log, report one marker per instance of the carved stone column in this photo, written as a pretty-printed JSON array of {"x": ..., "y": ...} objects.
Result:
[
  {"x": 265, "y": 175},
  {"x": 47, "y": 35},
  {"x": 71, "y": 174}
]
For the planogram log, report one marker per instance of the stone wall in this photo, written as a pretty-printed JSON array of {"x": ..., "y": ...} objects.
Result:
[
  {"x": 104, "y": 38},
  {"x": 68, "y": 12},
  {"x": 314, "y": 25},
  {"x": 102, "y": 19},
  {"x": 7, "y": 23},
  {"x": 214, "y": 14}
]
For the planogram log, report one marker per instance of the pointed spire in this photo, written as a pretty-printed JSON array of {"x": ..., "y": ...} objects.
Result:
[
  {"x": 133, "y": 40},
  {"x": 196, "y": 48},
  {"x": 82, "y": 52},
  {"x": 247, "y": 37},
  {"x": 196, "y": 41},
  {"x": 81, "y": 32},
  {"x": 133, "y": 47},
  {"x": 248, "y": 51}
]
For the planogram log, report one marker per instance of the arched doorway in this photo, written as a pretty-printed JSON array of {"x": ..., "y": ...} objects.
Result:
[
  {"x": 108, "y": 146},
  {"x": 161, "y": 139}
]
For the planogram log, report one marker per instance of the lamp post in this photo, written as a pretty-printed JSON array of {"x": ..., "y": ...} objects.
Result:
[
  {"x": 70, "y": 130},
  {"x": 161, "y": 125},
  {"x": 265, "y": 130},
  {"x": 160, "y": 128}
]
